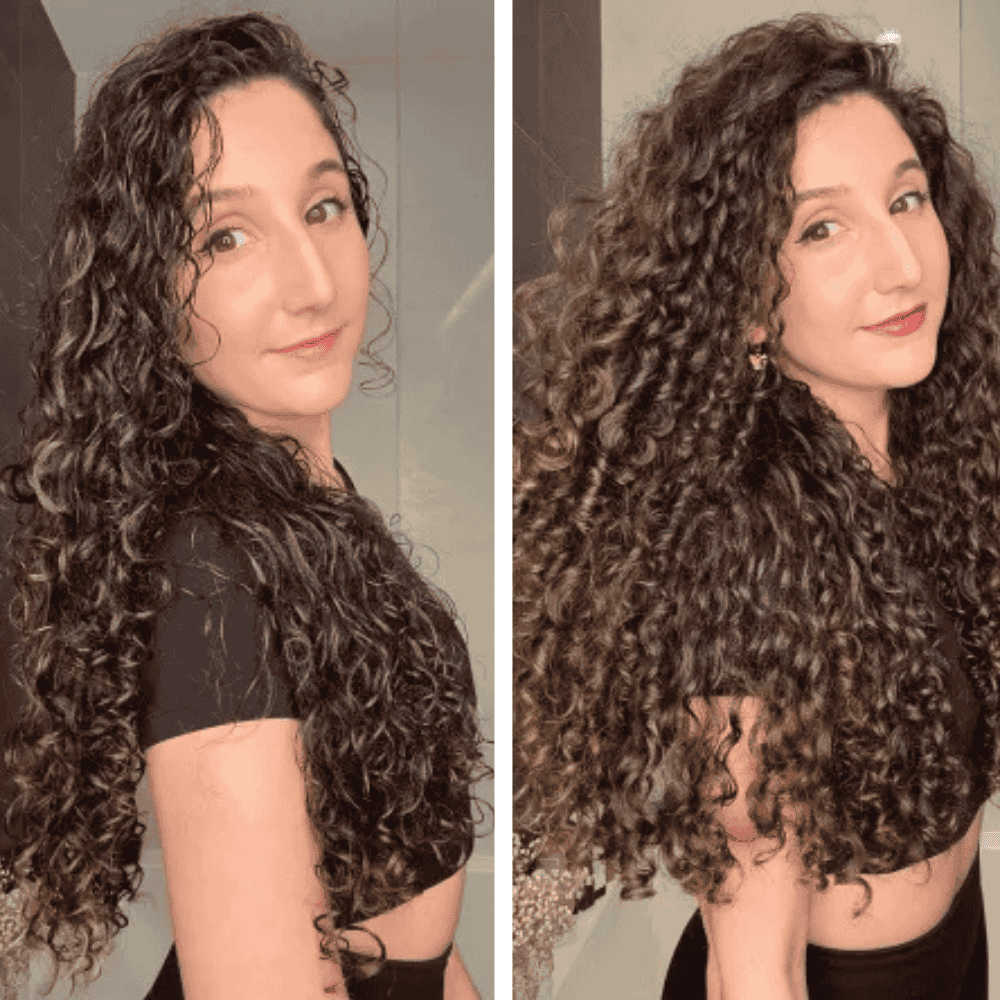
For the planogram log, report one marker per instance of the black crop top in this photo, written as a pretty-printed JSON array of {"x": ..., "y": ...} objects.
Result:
[
  {"x": 963, "y": 698},
  {"x": 966, "y": 708},
  {"x": 965, "y": 705},
  {"x": 179, "y": 678}
]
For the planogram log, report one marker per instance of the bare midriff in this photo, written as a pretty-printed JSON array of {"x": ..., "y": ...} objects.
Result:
[
  {"x": 421, "y": 928},
  {"x": 904, "y": 904}
]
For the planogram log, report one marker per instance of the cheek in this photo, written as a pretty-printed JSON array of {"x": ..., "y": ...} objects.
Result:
[
  {"x": 803, "y": 304},
  {"x": 815, "y": 307},
  {"x": 354, "y": 283},
  {"x": 824, "y": 292},
  {"x": 204, "y": 315}
]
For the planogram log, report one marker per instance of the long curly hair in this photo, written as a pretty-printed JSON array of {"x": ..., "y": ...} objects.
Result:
[
  {"x": 687, "y": 527},
  {"x": 121, "y": 440}
]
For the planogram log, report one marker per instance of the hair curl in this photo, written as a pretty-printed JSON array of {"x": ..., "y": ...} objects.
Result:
[
  {"x": 122, "y": 440},
  {"x": 686, "y": 527}
]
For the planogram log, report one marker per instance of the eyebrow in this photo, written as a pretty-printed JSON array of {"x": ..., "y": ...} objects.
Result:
[
  {"x": 248, "y": 190},
  {"x": 911, "y": 164}
]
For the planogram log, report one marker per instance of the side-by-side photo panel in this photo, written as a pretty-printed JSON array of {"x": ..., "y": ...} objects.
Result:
[
  {"x": 246, "y": 467},
  {"x": 756, "y": 599}
]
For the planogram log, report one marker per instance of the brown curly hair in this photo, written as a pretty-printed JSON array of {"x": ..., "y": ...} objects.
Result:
[
  {"x": 121, "y": 439},
  {"x": 686, "y": 527}
]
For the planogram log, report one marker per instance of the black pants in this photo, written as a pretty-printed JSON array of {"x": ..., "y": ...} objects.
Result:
[
  {"x": 398, "y": 980},
  {"x": 949, "y": 962}
]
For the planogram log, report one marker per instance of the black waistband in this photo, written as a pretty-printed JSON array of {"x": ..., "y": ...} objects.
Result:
[
  {"x": 424, "y": 963},
  {"x": 398, "y": 978},
  {"x": 404, "y": 980}
]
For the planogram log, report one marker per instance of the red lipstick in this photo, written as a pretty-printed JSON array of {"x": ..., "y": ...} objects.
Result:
[
  {"x": 318, "y": 346},
  {"x": 902, "y": 323}
]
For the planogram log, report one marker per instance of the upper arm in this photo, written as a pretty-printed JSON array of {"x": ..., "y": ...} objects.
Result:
[
  {"x": 239, "y": 853},
  {"x": 458, "y": 984},
  {"x": 740, "y": 760},
  {"x": 764, "y": 928}
]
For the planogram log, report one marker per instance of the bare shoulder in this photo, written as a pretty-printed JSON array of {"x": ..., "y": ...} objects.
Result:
[{"x": 239, "y": 854}]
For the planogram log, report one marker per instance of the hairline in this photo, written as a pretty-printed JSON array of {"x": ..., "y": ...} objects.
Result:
[{"x": 243, "y": 84}]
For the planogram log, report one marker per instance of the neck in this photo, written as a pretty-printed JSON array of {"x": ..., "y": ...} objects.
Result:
[
  {"x": 314, "y": 436},
  {"x": 864, "y": 412},
  {"x": 874, "y": 445},
  {"x": 321, "y": 467}
]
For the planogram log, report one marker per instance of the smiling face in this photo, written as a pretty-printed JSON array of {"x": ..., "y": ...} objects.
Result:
[
  {"x": 869, "y": 249},
  {"x": 283, "y": 260}
]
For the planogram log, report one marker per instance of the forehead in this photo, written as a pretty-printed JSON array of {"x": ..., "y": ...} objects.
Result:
[
  {"x": 855, "y": 140},
  {"x": 262, "y": 121}
]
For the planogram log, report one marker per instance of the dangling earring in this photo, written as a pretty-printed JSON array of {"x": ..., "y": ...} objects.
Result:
[
  {"x": 758, "y": 352},
  {"x": 758, "y": 357}
]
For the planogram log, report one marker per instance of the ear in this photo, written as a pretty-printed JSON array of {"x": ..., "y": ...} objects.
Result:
[{"x": 756, "y": 335}]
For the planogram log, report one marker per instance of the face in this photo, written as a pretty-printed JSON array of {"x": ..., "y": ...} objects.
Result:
[
  {"x": 867, "y": 249},
  {"x": 283, "y": 260}
]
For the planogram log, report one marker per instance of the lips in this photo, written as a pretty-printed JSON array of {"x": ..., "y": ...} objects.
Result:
[
  {"x": 898, "y": 318},
  {"x": 307, "y": 343}
]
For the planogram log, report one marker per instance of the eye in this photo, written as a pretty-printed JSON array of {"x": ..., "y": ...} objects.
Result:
[
  {"x": 212, "y": 244},
  {"x": 922, "y": 197},
  {"x": 216, "y": 242},
  {"x": 340, "y": 208},
  {"x": 814, "y": 234}
]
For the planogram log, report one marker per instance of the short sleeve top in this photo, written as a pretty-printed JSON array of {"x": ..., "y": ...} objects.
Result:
[
  {"x": 178, "y": 684},
  {"x": 969, "y": 719},
  {"x": 181, "y": 683}
]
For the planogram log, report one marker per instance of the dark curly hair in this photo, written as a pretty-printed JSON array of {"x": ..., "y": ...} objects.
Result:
[
  {"x": 120, "y": 441},
  {"x": 686, "y": 527}
]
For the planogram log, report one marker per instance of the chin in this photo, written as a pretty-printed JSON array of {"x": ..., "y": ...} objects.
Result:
[
  {"x": 318, "y": 407},
  {"x": 322, "y": 397},
  {"x": 908, "y": 380},
  {"x": 902, "y": 369},
  {"x": 921, "y": 367}
]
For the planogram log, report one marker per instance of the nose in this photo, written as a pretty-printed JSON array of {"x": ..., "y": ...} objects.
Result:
[
  {"x": 305, "y": 270},
  {"x": 895, "y": 257}
]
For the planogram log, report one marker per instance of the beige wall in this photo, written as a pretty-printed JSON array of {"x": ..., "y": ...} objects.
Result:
[
  {"x": 948, "y": 44},
  {"x": 980, "y": 36}
]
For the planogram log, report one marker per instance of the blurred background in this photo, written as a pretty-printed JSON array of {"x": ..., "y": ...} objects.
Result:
[
  {"x": 580, "y": 69},
  {"x": 421, "y": 76}
]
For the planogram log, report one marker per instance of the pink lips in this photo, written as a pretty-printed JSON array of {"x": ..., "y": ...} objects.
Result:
[
  {"x": 910, "y": 321},
  {"x": 327, "y": 340}
]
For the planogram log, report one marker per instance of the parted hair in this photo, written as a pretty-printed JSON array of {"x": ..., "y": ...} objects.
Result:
[
  {"x": 120, "y": 441},
  {"x": 687, "y": 527}
]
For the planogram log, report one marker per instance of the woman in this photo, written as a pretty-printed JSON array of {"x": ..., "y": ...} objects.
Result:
[
  {"x": 756, "y": 600},
  {"x": 190, "y": 540}
]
